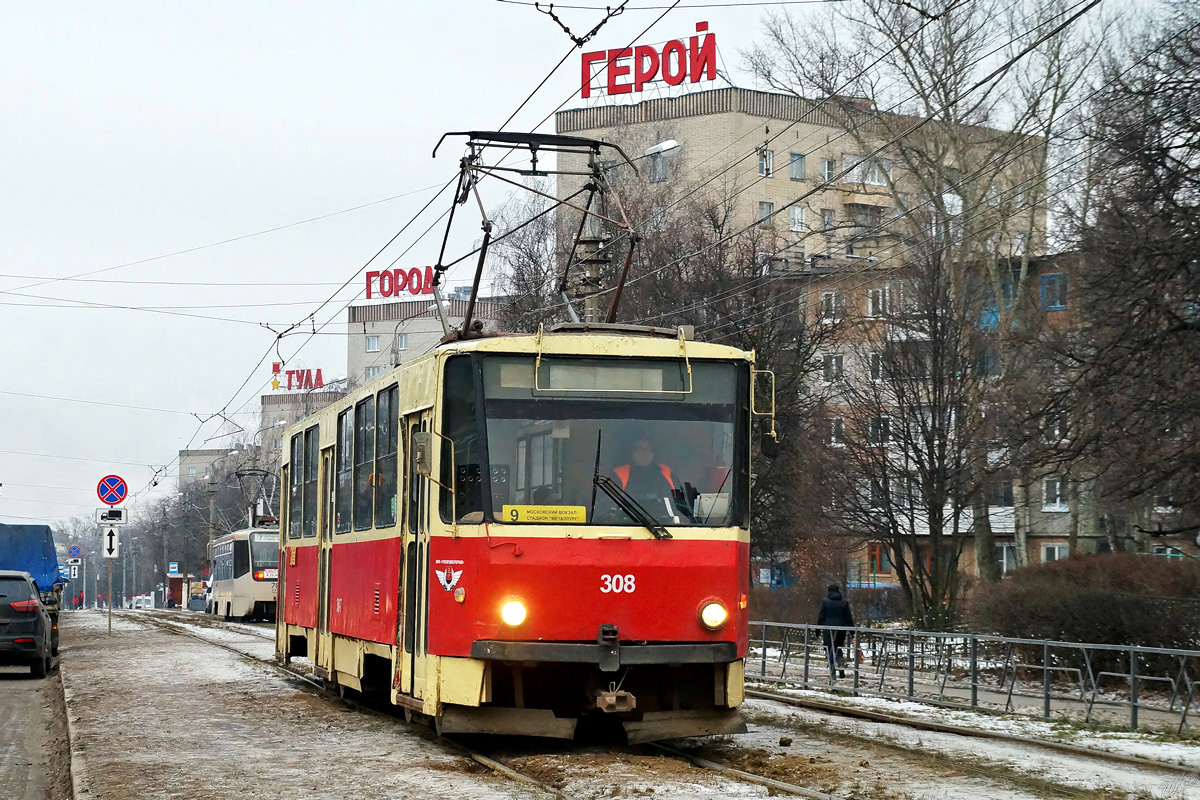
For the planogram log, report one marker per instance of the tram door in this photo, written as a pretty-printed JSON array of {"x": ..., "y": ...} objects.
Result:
[
  {"x": 324, "y": 654},
  {"x": 415, "y": 562}
]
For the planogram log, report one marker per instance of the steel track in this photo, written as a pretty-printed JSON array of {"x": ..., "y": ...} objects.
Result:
[{"x": 174, "y": 625}]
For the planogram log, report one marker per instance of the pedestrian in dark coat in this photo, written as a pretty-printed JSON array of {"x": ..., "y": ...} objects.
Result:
[{"x": 835, "y": 610}]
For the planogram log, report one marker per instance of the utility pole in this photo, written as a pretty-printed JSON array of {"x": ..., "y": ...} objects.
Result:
[{"x": 589, "y": 286}]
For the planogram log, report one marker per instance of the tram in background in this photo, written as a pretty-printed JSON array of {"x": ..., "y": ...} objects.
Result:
[
  {"x": 245, "y": 574},
  {"x": 467, "y": 537}
]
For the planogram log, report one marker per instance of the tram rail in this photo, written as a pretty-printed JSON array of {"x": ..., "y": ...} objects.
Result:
[{"x": 176, "y": 625}]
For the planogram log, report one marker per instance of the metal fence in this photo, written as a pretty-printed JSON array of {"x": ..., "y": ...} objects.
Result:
[{"x": 961, "y": 670}]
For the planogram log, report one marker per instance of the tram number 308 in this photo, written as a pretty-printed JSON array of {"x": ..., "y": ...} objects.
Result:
[{"x": 617, "y": 584}]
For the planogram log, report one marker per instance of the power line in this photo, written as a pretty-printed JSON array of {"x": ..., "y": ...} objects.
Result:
[
  {"x": 73, "y": 458},
  {"x": 117, "y": 281},
  {"x": 97, "y": 403},
  {"x": 217, "y": 243},
  {"x": 835, "y": 179},
  {"x": 879, "y": 229}
]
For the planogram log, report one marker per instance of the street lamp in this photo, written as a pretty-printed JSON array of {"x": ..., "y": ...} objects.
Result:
[{"x": 661, "y": 147}]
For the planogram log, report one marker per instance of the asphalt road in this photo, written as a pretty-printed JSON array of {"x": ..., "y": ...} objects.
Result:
[{"x": 25, "y": 715}]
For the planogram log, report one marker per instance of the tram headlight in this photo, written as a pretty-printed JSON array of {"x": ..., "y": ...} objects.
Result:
[
  {"x": 513, "y": 612},
  {"x": 713, "y": 615}
]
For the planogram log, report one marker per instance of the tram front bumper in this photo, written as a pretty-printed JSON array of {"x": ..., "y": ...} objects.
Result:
[{"x": 601, "y": 654}]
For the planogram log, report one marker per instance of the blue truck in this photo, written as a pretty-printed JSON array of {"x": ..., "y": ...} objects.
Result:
[{"x": 30, "y": 548}]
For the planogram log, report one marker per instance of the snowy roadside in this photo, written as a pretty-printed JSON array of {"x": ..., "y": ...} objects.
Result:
[
  {"x": 156, "y": 715},
  {"x": 969, "y": 754},
  {"x": 1127, "y": 743}
]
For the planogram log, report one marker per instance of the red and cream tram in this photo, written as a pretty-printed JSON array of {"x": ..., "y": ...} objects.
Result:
[{"x": 513, "y": 534}]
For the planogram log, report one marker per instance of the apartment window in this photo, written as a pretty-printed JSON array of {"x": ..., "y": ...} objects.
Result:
[
  {"x": 827, "y": 219},
  {"x": 1054, "y": 552},
  {"x": 832, "y": 368},
  {"x": 878, "y": 495},
  {"x": 374, "y": 372},
  {"x": 766, "y": 163},
  {"x": 1054, "y": 292},
  {"x": 914, "y": 496},
  {"x": 1166, "y": 551},
  {"x": 766, "y": 212},
  {"x": 796, "y": 167},
  {"x": 402, "y": 341},
  {"x": 1054, "y": 497},
  {"x": 880, "y": 560},
  {"x": 873, "y": 171},
  {"x": 833, "y": 306},
  {"x": 877, "y": 373},
  {"x": 837, "y": 431},
  {"x": 877, "y": 301},
  {"x": 657, "y": 169},
  {"x": 1000, "y": 491},
  {"x": 657, "y": 223},
  {"x": 828, "y": 168},
  {"x": 1006, "y": 557},
  {"x": 879, "y": 430},
  {"x": 1164, "y": 504},
  {"x": 1056, "y": 429},
  {"x": 796, "y": 222},
  {"x": 191, "y": 472},
  {"x": 372, "y": 344}
]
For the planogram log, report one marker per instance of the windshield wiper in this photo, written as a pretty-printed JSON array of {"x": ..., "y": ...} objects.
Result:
[{"x": 630, "y": 506}]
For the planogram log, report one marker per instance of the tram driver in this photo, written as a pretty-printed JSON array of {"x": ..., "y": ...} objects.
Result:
[{"x": 651, "y": 483}]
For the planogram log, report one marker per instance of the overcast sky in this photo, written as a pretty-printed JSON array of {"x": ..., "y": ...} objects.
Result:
[{"x": 132, "y": 131}]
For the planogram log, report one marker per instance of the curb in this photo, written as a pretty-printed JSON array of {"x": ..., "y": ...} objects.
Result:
[{"x": 78, "y": 770}]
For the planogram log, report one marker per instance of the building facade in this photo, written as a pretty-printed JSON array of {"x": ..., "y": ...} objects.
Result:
[
  {"x": 384, "y": 335},
  {"x": 841, "y": 235}
]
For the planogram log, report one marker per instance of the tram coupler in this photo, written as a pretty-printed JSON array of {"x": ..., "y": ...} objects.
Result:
[
  {"x": 615, "y": 701},
  {"x": 610, "y": 648}
]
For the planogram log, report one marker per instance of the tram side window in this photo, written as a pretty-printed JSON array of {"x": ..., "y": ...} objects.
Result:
[
  {"x": 241, "y": 557},
  {"x": 364, "y": 463},
  {"x": 295, "y": 506},
  {"x": 345, "y": 471},
  {"x": 386, "y": 429},
  {"x": 461, "y": 447},
  {"x": 311, "y": 455},
  {"x": 414, "y": 483},
  {"x": 222, "y": 563}
]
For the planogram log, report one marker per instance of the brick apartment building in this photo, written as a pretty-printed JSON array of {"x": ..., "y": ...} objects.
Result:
[{"x": 841, "y": 251}]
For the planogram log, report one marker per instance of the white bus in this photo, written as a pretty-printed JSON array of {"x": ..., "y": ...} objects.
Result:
[{"x": 245, "y": 574}]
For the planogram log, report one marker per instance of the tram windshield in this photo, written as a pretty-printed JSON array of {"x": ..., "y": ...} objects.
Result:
[
  {"x": 264, "y": 550},
  {"x": 670, "y": 440}
]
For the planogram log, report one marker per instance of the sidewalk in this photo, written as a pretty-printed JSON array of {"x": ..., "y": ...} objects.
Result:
[{"x": 160, "y": 715}]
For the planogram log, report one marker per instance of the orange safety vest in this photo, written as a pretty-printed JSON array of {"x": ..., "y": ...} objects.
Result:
[{"x": 623, "y": 474}]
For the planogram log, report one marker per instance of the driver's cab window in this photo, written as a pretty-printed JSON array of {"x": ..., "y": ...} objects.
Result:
[{"x": 642, "y": 430}]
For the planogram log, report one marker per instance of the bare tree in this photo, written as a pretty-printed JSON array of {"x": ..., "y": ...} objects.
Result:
[
  {"x": 969, "y": 158},
  {"x": 1130, "y": 373}
]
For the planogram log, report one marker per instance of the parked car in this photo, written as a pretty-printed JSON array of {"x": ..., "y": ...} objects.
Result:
[{"x": 25, "y": 626}]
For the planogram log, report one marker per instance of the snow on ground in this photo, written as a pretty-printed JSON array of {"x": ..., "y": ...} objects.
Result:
[
  {"x": 1056, "y": 767},
  {"x": 1142, "y": 745},
  {"x": 158, "y": 715}
]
